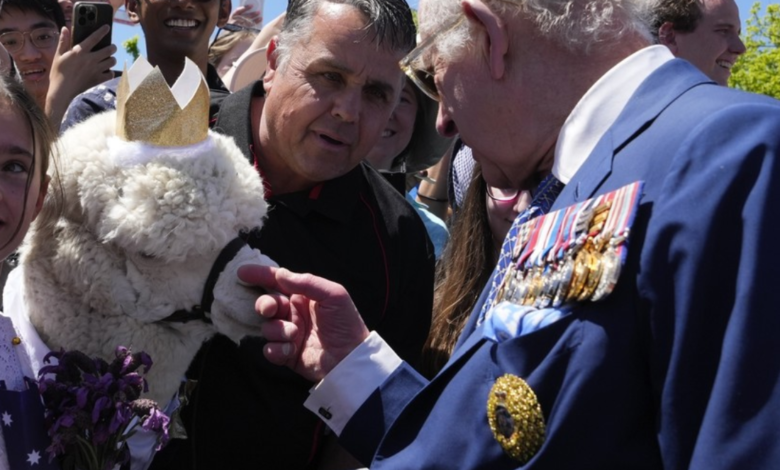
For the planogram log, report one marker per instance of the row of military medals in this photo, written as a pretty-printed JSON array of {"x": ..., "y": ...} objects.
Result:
[{"x": 573, "y": 254}]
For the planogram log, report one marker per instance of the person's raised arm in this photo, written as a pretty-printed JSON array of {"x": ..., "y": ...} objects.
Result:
[
  {"x": 261, "y": 40},
  {"x": 246, "y": 15},
  {"x": 76, "y": 69},
  {"x": 312, "y": 322}
]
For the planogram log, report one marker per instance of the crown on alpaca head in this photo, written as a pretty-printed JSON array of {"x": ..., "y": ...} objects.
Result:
[{"x": 150, "y": 111}]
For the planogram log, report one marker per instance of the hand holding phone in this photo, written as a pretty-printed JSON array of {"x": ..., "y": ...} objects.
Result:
[
  {"x": 75, "y": 69},
  {"x": 88, "y": 17}
]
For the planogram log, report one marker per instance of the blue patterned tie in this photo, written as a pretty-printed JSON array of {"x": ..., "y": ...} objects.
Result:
[{"x": 544, "y": 196}]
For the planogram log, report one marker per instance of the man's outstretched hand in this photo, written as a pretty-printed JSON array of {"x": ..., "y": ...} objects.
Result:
[{"x": 312, "y": 323}]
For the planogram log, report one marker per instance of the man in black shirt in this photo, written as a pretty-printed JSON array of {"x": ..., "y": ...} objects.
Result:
[{"x": 332, "y": 83}]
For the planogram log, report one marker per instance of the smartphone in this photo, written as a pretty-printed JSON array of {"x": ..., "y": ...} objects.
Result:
[{"x": 88, "y": 17}]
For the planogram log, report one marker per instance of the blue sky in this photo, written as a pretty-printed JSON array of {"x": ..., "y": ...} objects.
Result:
[{"x": 275, "y": 7}]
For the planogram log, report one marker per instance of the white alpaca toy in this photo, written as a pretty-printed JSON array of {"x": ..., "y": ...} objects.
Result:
[{"x": 125, "y": 260}]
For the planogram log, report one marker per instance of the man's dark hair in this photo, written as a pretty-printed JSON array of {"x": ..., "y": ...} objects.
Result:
[
  {"x": 684, "y": 15},
  {"x": 50, "y": 9},
  {"x": 389, "y": 20}
]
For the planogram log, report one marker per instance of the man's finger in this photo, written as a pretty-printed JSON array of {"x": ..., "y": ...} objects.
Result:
[
  {"x": 273, "y": 306},
  {"x": 312, "y": 287},
  {"x": 279, "y": 331},
  {"x": 106, "y": 52},
  {"x": 63, "y": 45},
  {"x": 281, "y": 354},
  {"x": 258, "y": 275},
  {"x": 93, "y": 39}
]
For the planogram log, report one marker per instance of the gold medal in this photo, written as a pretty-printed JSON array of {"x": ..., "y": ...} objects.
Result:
[
  {"x": 567, "y": 270},
  {"x": 515, "y": 417},
  {"x": 534, "y": 286},
  {"x": 594, "y": 274},
  {"x": 505, "y": 288},
  {"x": 610, "y": 273},
  {"x": 579, "y": 277},
  {"x": 549, "y": 281},
  {"x": 523, "y": 283}
]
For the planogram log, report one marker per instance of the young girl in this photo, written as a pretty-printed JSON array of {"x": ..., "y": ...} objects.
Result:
[{"x": 26, "y": 140}]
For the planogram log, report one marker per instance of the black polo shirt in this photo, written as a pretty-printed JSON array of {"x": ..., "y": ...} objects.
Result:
[{"x": 355, "y": 230}]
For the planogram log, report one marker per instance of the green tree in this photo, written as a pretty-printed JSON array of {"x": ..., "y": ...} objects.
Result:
[
  {"x": 758, "y": 69},
  {"x": 131, "y": 47}
]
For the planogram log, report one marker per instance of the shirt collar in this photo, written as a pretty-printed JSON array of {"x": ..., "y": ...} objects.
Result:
[
  {"x": 600, "y": 107},
  {"x": 334, "y": 198}
]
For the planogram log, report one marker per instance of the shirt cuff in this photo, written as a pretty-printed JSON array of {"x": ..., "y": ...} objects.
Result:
[{"x": 339, "y": 395}]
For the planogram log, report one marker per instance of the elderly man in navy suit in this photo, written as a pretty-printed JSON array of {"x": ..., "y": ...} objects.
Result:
[{"x": 634, "y": 326}]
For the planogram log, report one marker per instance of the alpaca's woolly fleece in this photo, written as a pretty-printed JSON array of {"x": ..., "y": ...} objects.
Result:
[{"x": 131, "y": 239}]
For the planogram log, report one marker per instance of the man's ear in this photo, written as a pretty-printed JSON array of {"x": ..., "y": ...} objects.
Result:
[
  {"x": 668, "y": 37},
  {"x": 497, "y": 40},
  {"x": 224, "y": 13},
  {"x": 272, "y": 60},
  {"x": 132, "y": 7}
]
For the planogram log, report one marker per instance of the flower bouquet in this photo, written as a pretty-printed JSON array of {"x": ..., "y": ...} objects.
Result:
[{"x": 93, "y": 407}]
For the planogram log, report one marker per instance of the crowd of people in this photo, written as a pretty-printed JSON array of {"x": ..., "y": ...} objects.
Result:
[{"x": 522, "y": 233}]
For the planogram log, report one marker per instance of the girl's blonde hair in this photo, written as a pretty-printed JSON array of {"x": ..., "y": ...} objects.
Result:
[{"x": 14, "y": 96}]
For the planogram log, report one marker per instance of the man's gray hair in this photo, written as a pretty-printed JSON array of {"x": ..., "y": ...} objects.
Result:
[
  {"x": 389, "y": 21},
  {"x": 578, "y": 25}
]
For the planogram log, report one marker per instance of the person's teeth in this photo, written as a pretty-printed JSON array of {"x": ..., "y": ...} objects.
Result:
[
  {"x": 725, "y": 64},
  {"x": 181, "y": 23}
]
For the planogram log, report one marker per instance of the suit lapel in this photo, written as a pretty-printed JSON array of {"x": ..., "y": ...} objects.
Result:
[
  {"x": 659, "y": 90},
  {"x": 655, "y": 94}
]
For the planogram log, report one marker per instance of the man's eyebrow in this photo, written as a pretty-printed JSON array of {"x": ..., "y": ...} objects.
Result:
[
  {"x": 378, "y": 84},
  {"x": 728, "y": 23},
  {"x": 40, "y": 24},
  {"x": 45, "y": 24}
]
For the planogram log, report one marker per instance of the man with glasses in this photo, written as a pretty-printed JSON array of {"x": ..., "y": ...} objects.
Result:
[
  {"x": 675, "y": 368},
  {"x": 331, "y": 85},
  {"x": 30, "y": 30},
  {"x": 173, "y": 30}
]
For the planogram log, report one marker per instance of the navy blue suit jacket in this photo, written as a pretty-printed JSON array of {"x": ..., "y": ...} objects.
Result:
[{"x": 679, "y": 367}]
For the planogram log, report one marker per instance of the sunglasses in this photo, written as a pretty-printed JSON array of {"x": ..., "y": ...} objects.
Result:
[
  {"x": 42, "y": 38},
  {"x": 502, "y": 195},
  {"x": 414, "y": 67}
]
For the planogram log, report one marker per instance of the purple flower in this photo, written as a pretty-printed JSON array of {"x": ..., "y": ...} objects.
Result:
[
  {"x": 152, "y": 419},
  {"x": 91, "y": 405}
]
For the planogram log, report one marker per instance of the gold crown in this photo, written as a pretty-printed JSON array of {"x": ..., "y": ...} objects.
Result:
[{"x": 150, "y": 111}]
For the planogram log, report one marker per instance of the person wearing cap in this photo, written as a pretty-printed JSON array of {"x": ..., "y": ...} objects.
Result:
[{"x": 330, "y": 87}]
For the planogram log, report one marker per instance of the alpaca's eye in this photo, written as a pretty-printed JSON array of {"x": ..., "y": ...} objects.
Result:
[{"x": 146, "y": 256}]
